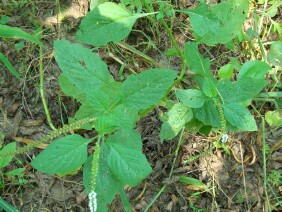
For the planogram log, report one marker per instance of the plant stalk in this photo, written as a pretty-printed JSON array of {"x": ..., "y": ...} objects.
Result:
[
  {"x": 41, "y": 88},
  {"x": 179, "y": 51},
  {"x": 51, "y": 136},
  {"x": 264, "y": 163},
  {"x": 176, "y": 152}
]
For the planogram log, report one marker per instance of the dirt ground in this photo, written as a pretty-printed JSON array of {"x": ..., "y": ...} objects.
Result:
[{"x": 235, "y": 180}]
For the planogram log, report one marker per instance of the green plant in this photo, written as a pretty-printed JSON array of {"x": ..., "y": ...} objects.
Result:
[
  {"x": 112, "y": 108},
  {"x": 274, "y": 178},
  {"x": 16, "y": 33},
  {"x": 6, "y": 206},
  {"x": 218, "y": 24},
  {"x": 216, "y": 103},
  {"x": 115, "y": 106},
  {"x": 15, "y": 176}
]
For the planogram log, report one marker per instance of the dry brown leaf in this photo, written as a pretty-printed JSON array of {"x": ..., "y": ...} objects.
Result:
[{"x": 29, "y": 141}]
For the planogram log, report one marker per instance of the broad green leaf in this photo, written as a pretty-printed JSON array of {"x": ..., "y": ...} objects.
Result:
[
  {"x": 203, "y": 21},
  {"x": 239, "y": 117},
  {"x": 83, "y": 68},
  {"x": 62, "y": 156},
  {"x": 254, "y": 69},
  {"x": 194, "y": 125},
  {"x": 178, "y": 116},
  {"x": 146, "y": 89},
  {"x": 107, "y": 186},
  {"x": 15, "y": 172},
  {"x": 6, "y": 149},
  {"x": 231, "y": 127},
  {"x": 95, "y": 3},
  {"x": 106, "y": 22},
  {"x": 225, "y": 72},
  {"x": 275, "y": 53},
  {"x": 127, "y": 163},
  {"x": 231, "y": 15},
  {"x": 86, "y": 110},
  {"x": 205, "y": 130},
  {"x": 17, "y": 33},
  {"x": 195, "y": 60},
  {"x": 95, "y": 105},
  {"x": 235, "y": 63},
  {"x": 220, "y": 23},
  {"x": 126, "y": 117},
  {"x": 99, "y": 100},
  {"x": 209, "y": 88},
  {"x": 229, "y": 91},
  {"x": 250, "y": 87},
  {"x": 127, "y": 137},
  {"x": 117, "y": 118},
  {"x": 240, "y": 91},
  {"x": 192, "y": 98},
  {"x": 208, "y": 114},
  {"x": 274, "y": 118},
  {"x": 106, "y": 123},
  {"x": 9, "y": 66},
  {"x": 70, "y": 89}
]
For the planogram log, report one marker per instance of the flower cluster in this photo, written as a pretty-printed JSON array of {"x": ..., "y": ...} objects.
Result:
[
  {"x": 92, "y": 201},
  {"x": 224, "y": 138}
]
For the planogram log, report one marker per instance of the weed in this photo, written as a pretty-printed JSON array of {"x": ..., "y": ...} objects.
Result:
[
  {"x": 216, "y": 103},
  {"x": 274, "y": 178}
]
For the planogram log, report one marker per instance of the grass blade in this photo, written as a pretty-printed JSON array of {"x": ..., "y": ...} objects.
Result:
[
  {"x": 9, "y": 66},
  {"x": 15, "y": 32},
  {"x": 6, "y": 206}
]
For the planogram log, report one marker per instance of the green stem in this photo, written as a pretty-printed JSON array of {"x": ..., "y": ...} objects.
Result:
[
  {"x": 275, "y": 196},
  {"x": 41, "y": 87},
  {"x": 262, "y": 16},
  {"x": 264, "y": 163},
  {"x": 156, "y": 197},
  {"x": 262, "y": 50},
  {"x": 179, "y": 51},
  {"x": 176, "y": 152}
]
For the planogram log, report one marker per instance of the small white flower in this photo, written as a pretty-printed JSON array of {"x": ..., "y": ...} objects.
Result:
[
  {"x": 224, "y": 138},
  {"x": 92, "y": 201}
]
